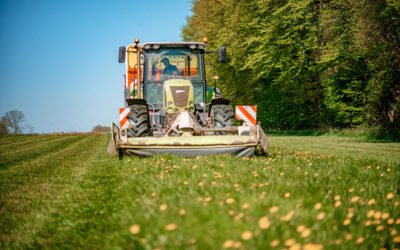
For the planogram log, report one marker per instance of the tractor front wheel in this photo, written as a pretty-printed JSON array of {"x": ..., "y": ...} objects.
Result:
[
  {"x": 138, "y": 120},
  {"x": 222, "y": 116}
]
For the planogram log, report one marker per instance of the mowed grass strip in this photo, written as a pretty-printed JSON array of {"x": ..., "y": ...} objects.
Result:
[
  {"x": 17, "y": 153},
  {"x": 299, "y": 196}
]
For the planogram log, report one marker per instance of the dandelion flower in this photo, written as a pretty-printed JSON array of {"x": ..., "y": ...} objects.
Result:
[
  {"x": 377, "y": 215},
  {"x": 300, "y": 228},
  {"x": 288, "y": 216},
  {"x": 348, "y": 236},
  {"x": 380, "y": 228},
  {"x": 290, "y": 242},
  {"x": 390, "y": 221},
  {"x": 274, "y": 243},
  {"x": 273, "y": 209},
  {"x": 360, "y": 240},
  {"x": 245, "y": 206},
  {"x": 264, "y": 223},
  {"x": 371, "y": 202},
  {"x": 318, "y": 206},
  {"x": 182, "y": 211},
  {"x": 351, "y": 190},
  {"x": 287, "y": 195},
  {"x": 396, "y": 239},
  {"x": 163, "y": 207},
  {"x": 346, "y": 222},
  {"x": 370, "y": 213},
  {"x": 228, "y": 244},
  {"x": 337, "y": 197},
  {"x": 237, "y": 244},
  {"x": 296, "y": 246},
  {"x": 312, "y": 246},
  {"x": 338, "y": 203},
  {"x": 247, "y": 235},
  {"x": 134, "y": 229},
  {"x": 368, "y": 223},
  {"x": 385, "y": 216},
  {"x": 170, "y": 227},
  {"x": 230, "y": 201},
  {"x": 354, "y": 199},
  {"x": 398, "y": 222},
  {"x": 321, "y": 216},
  {"x": 208, "y": 199},
  {"x": 306, "y": 232},
  {"x": 389, "y": 196}
]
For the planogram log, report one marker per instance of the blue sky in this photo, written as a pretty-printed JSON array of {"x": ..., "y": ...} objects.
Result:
[{"x": 58, "y": 58}]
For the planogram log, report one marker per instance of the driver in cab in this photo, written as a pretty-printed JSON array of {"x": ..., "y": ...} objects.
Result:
[{"x": 169, "y": 68}]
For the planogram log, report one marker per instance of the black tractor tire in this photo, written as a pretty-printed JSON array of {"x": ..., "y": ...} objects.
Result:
[
  {"x": 138, "y": 120},
  {"x": 222, "y": 116}
]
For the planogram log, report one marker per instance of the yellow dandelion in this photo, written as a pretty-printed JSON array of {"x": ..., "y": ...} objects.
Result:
[
  {"x": 306, "y": 232},
  {"x": 398, "y": 222},
  {"x": 380, "y": 228},
  {"x": 230, "y": 201},
  {"x": 134, "y": 229},
  {"x": 377, "y": 215},
  {"x": 354, "y": 199},
  {"x": 274, "y": 243},
  {"x": 237, "y": 244},
  {"x": 337, "y": 197},
  {"x": 208, "y": 199},
  {"x": 264, "y": 223},
  {"x": 288, "y": 216},
  {"x": 389, "y": 196},
  {"x": 182, "y": 211},
  {"x": 192, "y": 241},
  {"x": 385, "y": 216},
  {"x": 338, "y": 203},
  {"x": 144, "y": 241},
  {"x": 246, "y": 235},
  {"x": 393, "y": 232},
  {"x": 348, "y": 236},
  {"x": 163, "y": 207},
  {"x": 318, "y": 206},
  {"x": 170, "y": 227},
  {"x": 370, "y": 213},
  {"x": 360, "y": 240},
  {"x": 228, "y": 244},
  {"x": 346, "y": 222},
  {"x": 396, "y": 239},
  {"x": 321, "y": 216},
  {"x": 286, "y": 195},
  {"x": 296, "y": 246},
  {"x": 300, "y": 228},
  {"x": 350, "y": 215},
  {"x": 273, "y": 209},
  {"x": 312, "y": 246},
  {"x": 368, "y": 223},
  {"x": 371, "y": 202},
  {"x": 390, "y": 221},
  {"x": 231, "y": 212},
  {"x": 245, "y": 206},
  {"x": 290, "y": 242},
  {"x": 153, "y": 194},
  {"x": 351, "y": 190}
]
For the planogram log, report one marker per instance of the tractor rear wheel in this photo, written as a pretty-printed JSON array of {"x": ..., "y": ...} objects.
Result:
[
  {"x": 138, "y": 120},
  {"x": 222, "y": 116}
]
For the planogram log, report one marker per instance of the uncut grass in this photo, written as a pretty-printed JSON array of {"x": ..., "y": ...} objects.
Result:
[{"x": 98, "y": 199}]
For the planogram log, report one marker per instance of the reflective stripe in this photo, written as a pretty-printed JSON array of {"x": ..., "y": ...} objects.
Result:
[
  {"x": 247, "y": 114},
  {"x": 123, "y": 117}
]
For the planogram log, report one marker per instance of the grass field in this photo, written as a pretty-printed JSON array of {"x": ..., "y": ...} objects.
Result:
[{"x": 323, "y": 192}]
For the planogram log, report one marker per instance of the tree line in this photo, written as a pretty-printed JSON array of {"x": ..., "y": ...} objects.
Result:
[{"x": 307, "y": 64}]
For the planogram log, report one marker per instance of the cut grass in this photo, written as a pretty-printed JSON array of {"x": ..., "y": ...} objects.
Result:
[{"x": 72, "y": 195}]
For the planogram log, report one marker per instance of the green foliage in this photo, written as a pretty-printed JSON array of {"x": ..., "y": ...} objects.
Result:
[{"x": 307, "y": 64}]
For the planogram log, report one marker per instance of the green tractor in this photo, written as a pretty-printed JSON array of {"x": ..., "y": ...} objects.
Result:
[{"x": 170, "y": 109}]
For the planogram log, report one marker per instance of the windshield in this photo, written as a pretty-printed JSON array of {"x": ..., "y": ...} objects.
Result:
[
  {"x": 163, "y": 64},
  {"x": 170, "y": 63}
]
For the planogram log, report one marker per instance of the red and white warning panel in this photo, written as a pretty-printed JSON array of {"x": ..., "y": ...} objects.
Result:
[
  {"x": 247, "y": 114},
  {"x": 123, "y": 118}
]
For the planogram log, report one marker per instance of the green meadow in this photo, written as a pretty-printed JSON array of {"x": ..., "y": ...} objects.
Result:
[{"x": 310, "y": 192}]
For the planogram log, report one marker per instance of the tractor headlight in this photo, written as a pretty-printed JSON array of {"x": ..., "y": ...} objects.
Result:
[
  {"x": 192, "y": 46},
  {"x": 156, "y": 46},
  {"x": 169, "y": 110},
  {"x": 147, "y": 46},
  {"x": 201, "y": 46}
]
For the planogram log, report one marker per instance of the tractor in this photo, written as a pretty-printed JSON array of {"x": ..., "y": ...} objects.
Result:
[{"x": 171, "y": 109}]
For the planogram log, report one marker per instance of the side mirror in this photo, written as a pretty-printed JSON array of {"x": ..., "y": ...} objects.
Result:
[
  {"x": 222, "y": 54},
  {"x": 121, "y": 55}
]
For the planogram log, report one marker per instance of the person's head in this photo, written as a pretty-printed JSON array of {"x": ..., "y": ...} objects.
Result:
[{"x": 165, "y": 61}]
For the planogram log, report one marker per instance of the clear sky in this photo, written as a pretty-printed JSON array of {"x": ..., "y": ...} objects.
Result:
[{"x": 58, "y": 58}]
